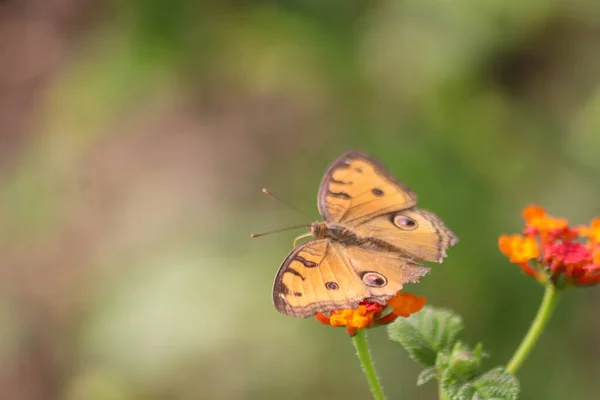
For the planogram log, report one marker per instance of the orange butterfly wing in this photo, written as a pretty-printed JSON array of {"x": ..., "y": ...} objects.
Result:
[
  {"x": 322, "y": 275},
  {"x": 358, "y": 187},
  {"x": 418, "y": 234}
]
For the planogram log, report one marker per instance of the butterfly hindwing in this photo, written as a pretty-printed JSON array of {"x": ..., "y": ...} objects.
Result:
[
  {"x": 384, "y": 273},
  {"x": 323, "y": 275},
  {"x": 358, "y": 187},
  {"x": 419, "y": 234}
]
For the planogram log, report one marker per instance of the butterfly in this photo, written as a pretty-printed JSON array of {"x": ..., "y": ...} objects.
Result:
[{"x": 369, "y": 244}]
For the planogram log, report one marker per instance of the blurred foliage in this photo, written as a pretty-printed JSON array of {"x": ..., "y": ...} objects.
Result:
[{"x": 129, "y": 195}]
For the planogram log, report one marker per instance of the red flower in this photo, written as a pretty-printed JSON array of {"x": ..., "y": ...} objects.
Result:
[
  {"x": 369, "y": 314},
  {"x": 550, "y": 249}
]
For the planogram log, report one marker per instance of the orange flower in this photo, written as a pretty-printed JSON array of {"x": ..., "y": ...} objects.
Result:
[
  {"x": 550, "y": 249},
  {"x": 592, "y": 232},
  {"x": 536, "y": 217},
  {"x": 405, "y": 304},
  {"x": 359, "y": 318},
  {"x": 369, "y": 314},
  {"x": 532, "y": 213},
  {"x": 518, "y": 248}
]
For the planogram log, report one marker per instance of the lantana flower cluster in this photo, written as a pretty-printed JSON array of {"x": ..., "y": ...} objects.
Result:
[
  {"x": 550, "y": 249},
  {"x": 370, "y": 314}
]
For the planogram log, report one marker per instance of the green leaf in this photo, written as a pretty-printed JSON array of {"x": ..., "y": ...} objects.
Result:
[
  {"x": 442, "y": 361},
  {"x": 496, "y": 384},
  {"x": 426, "y": 333},
  {"x": 426, "y": 375},
  {"x": 451, "y": 383}
]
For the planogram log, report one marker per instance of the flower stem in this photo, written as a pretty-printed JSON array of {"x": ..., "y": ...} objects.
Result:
[
  {"x": 535, "y": 330},
  {"x": 442, "y": 395},
  {"x": 364, "y": 355}
]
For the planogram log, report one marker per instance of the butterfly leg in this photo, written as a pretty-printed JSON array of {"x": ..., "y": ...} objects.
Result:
[{"x": 300, "y": 237}]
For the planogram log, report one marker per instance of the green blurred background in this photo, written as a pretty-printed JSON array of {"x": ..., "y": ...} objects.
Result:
[{"x": 135, "y": 137}]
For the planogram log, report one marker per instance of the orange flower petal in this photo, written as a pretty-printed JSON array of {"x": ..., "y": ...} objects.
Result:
[
  {"x": 592, "y": 232},
  {"x": 520, "y": 249},
  {"x": 505, "y": 244},
  {"x": 529, "y": 249},
  {"x": 387, "y": 319},
  {"x": 596, "y": 257},
  {"x": 529, "y": 270},
  {"x": 341, "y": 317},
  {"x": 533, "y": 212},
  {"x": 357, "y": 318},
  {"x": 405, "y": 304},
  {"x": 360, "y": 321},
  {"x": 537, "y": 218},
  {"x": 322, "y": 318}
]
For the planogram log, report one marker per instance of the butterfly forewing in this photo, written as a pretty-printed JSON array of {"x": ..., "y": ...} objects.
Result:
[{"x": 358, "y": 187}]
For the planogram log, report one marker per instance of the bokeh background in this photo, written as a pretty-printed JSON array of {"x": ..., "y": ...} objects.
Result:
[{"x": 135, "y": 137}]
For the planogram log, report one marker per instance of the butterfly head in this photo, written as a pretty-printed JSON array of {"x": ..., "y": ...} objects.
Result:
[{"x": 318, "y": 229}]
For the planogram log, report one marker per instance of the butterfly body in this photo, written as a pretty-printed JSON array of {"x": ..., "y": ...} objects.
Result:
[
  {"x": 335, "y": 232},
  {"x": 345, "y": 236},
  {"x": 368, "y": 245}
]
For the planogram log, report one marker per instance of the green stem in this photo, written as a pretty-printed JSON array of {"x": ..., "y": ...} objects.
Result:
[
  {"x": 364, "y": 355},
  {"x": 442, "y": 395},
  {"x": 535, "y": 330}
]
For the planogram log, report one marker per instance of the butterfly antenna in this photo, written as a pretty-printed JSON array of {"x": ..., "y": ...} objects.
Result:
[
  {"x": 253, "y": 235},
  {"x": 271, "y": 195}
]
